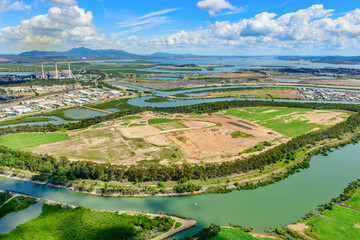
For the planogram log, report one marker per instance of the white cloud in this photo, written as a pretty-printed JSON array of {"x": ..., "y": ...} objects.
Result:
[
  {"x": 161, "y": 12},
  {"x": 59, "y": 3},
  {"x": 305, "y": 31},
  {"x": 8, "y": 5},
  {"x": 214, "y": 6},
  {"x": 61, "y": 25},
  {"x": 146, "y": 21}
]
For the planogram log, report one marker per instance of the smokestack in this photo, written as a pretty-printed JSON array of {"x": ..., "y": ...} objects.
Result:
[
  {"x": 56, "y": 71},
  {"x": 42, "y": 70},
  {"x": 70, "y": 73}
]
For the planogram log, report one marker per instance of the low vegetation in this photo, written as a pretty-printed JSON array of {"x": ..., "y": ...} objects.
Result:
[
  {"x": 241, "y": 134},
  {"x": 56, "y": 222},
  {"x": 23, "y": 141},
  {"x": 16, "y": 204}
]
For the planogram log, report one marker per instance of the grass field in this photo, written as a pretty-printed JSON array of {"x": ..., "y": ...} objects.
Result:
[
  {"x": 236, "y": 234},
  {"x": 336, "y": 224},
  {"x": 355, "y": 201},
  {"x": 57, "y": 223},
  {"x": 291, "y": 122},
  {"x": 160, "y": 120},
  {"x": 22, "y": 141},
  {"x": 241, "y": 134}
]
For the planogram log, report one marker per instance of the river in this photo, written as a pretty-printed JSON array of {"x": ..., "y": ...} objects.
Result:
[{"x": 275, "y": 205}]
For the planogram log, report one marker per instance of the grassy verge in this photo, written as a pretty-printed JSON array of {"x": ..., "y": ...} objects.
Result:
[
  {"x": 338, "y": 223},
  {"x": 56, "y": 222},
  {"x": 21, "y": 141}
]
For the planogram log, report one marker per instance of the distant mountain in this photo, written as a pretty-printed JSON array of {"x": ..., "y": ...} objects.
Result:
[{"x": 79, "y": 53}]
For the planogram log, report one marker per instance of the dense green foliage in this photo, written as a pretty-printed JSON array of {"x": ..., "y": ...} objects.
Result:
[
  {"x": 4, "y": 196},
  {"x": 349, "y": 192},
  {"x": 16, "y": 204},
  {"x": 80, "y": 223}
]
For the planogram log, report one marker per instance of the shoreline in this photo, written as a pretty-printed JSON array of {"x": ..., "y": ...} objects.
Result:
[
  {"x": 226, "y": 188},
  {"x": 229, "y": 187}
]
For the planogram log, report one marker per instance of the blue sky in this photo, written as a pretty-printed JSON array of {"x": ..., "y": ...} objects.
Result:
[{"x": 225, "y": 27}]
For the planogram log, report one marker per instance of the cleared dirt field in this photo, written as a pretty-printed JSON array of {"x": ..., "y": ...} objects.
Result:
[
  {"x": 151, "y": 138},
  {"x": 215, "y": 144}
]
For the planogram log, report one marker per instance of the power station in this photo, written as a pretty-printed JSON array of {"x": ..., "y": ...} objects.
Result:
[{"x": 54, "y": 74}]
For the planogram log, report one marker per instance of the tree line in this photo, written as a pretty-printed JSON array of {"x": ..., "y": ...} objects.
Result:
[{"x": 60, "y": 170}]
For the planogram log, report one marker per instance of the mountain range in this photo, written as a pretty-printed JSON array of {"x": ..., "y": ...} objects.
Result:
[{"x": 83, "y": 53}]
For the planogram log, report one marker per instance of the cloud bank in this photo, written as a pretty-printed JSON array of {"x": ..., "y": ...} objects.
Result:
[{"x": 313, "y": 28}]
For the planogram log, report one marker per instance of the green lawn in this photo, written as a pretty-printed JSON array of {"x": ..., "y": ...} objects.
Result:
[
  {"x": 23, "y": 141},
  {"x": 236, "y": 234},
  {"x": 279, "y": 119},
  {"x": 160, "y": 120},
  {"x": 131, "y": 117},
  {"x": 355, "y": 201},
  {"x": 336, "y": 224},
  {"x": 56, "y": 223}
]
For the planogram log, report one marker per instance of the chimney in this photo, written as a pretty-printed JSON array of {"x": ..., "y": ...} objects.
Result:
[
  {"x": 42, "y": 70},
  {"x": 56, "y": 71},
  {"x": 70, "y": 73}
]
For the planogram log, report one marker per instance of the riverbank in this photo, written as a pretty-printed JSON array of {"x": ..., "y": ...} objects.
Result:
[
  {"x": 54, "y": 221},
  {"x": 252, "y": 179}
]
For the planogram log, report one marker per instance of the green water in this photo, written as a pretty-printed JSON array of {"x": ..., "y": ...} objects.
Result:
[{"x": 275, "y": 205}]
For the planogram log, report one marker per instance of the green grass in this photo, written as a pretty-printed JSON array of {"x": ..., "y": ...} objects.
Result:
[
  {"x": 355, "y": 201},
  {"x": 277, "y": 118},
  {"x": 136, "y": 125},
  {"x": 56, "y": 223},
  {"x": 147, "y": 162},
  {"x": 160, "y": 120},
  {"x": 235, "y": 234},
  {"x": 338, "y": 223},
  {"x": 16, "y": 204},
  {"x": 131, "y": 117},
  {"x": 259, "y": 147},
  {"x": 177, "y": 225},
  {"x": 241, "y": 134},
  {"x": 21, "y": 141}
]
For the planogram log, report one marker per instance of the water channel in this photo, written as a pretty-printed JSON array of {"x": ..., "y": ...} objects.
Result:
[{"x": 275, "y": 205}]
